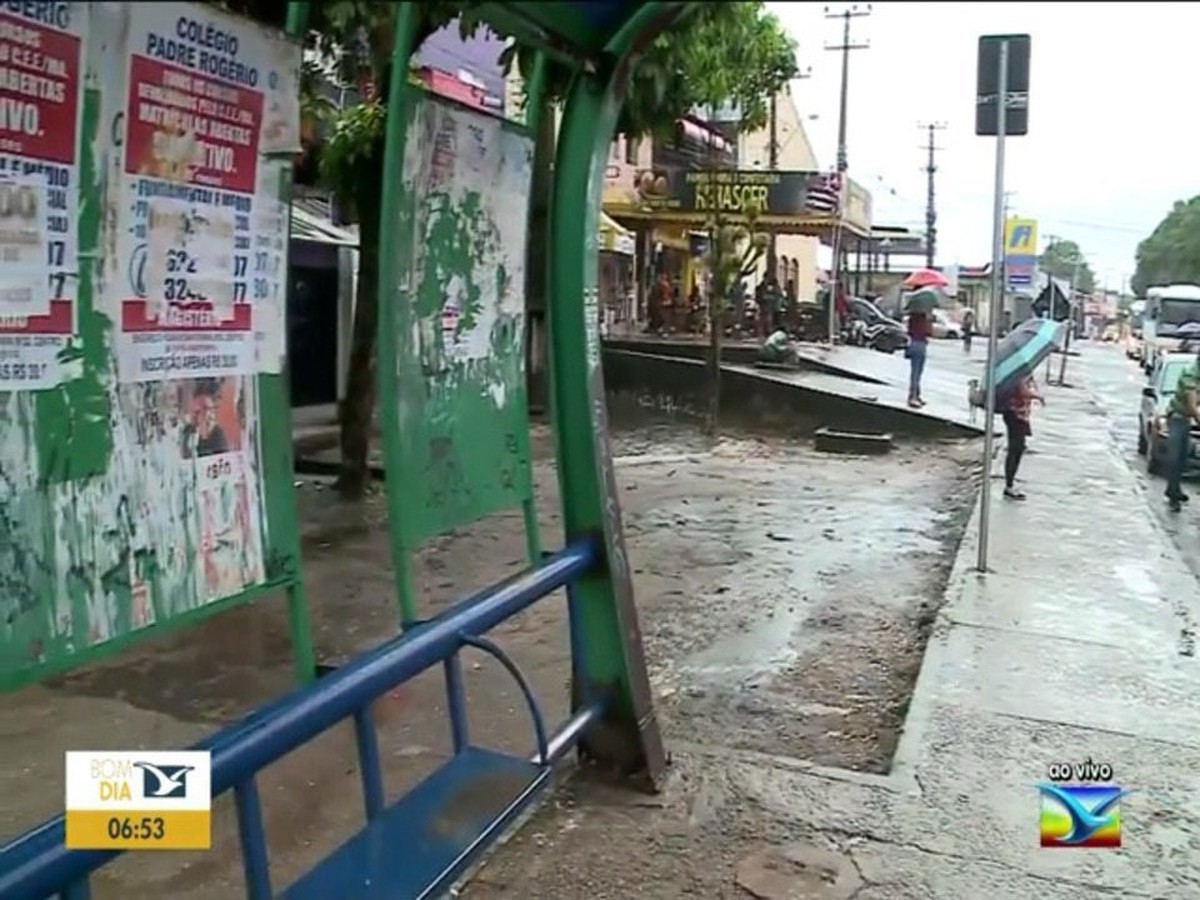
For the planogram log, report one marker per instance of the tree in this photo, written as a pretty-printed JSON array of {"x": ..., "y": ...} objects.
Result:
[
  {"x": 722, "y": 52},
  {"x": 1171, "y": 254},
  {"x": 351, "y": 41},
  {"x": 743, "y": 57},
  {"x": 1063, "y": 259},
  {"x": 734, "y": 252}
]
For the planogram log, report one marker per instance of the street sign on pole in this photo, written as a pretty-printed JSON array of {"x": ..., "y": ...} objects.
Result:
[
  {"x": 997, "y": 80},
  {"x": 987, "y": 86}
]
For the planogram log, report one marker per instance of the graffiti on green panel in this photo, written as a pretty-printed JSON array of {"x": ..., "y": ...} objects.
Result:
[
  {"x": 133, "y": 489},
  {"x": 459, "y": 319}
]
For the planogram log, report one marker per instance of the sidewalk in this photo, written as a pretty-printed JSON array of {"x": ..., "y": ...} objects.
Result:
[{"x": 1079, "y": 644}]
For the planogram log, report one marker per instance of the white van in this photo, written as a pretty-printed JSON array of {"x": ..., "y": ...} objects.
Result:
[{"x": 1167, "y": 308}]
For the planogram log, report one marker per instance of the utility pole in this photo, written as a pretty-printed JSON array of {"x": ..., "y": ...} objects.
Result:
[
  {"x": 773, "y": 165},
  {"x": 930, "y": 204},
  {"x": 853, "y": 11}
]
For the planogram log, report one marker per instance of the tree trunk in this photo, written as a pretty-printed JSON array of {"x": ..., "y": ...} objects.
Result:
[
  {"x": 536, "y": 257},
  {"x": 358, "y": 406}
]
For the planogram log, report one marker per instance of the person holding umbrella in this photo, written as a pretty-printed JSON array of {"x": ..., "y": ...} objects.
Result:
[
  {"x": 920, "y": 305},
  {"x": 926, "y": 286},
  {"x": 1017, "y": 357},
  {"x": 1016, "y": 414}
]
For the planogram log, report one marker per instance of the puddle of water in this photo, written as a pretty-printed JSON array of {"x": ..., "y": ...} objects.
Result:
[
  {"x": 1138, "y": 579},
  {"x": 767, "y": 647}
]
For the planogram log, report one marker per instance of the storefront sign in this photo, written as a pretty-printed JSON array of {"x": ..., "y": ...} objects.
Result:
[{"x": 857, "y": 210}]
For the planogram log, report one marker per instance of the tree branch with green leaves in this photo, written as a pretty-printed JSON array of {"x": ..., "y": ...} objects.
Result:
[
  {"x": 722, "y": 53},
  {"x": 1171, "y": 253},
  {"x": 1064, "y": 259}
]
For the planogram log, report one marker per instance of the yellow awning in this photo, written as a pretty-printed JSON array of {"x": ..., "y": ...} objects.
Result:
[
  {"x": 607, "y": 223},
  {"x": 614, "y": 237}
]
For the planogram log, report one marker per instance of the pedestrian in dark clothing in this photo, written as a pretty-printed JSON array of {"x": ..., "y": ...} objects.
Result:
[
  {"x": 1181, "y": 414},
  {"x": 968, "y": 330},
  {"x": 1017, "y": 412}
]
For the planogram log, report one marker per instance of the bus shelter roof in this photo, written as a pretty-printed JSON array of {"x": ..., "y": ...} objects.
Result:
[{"x": 578, "y": 27}]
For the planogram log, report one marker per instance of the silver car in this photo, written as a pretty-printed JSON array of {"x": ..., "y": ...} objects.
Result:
[
  {"x": 945, "y": 327},
  {"x": 1152, "y": 418}
]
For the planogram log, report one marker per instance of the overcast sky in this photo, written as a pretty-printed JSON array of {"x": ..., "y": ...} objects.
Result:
[{"x": 1113, "y": 132}]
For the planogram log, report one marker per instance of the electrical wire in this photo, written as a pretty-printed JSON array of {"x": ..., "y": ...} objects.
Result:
[{"x": 1091, "y": 226}]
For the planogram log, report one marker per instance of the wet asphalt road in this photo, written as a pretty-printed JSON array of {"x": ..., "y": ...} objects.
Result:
[{"x": 1115, "y": 384}]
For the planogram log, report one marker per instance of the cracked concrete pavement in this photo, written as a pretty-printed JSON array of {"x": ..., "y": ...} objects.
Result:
[
  {"x": 832, "y": 562},
  {"x": 1078, "y": 644}
]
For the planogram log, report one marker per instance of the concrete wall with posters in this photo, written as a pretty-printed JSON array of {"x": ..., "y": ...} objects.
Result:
[{"x": 145, "y": 472}]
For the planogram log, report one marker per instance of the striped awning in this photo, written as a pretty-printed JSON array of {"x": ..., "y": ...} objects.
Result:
[{"x": 702, "y": 135}]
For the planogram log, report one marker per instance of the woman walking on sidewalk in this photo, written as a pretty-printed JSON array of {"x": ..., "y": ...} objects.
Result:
[
  {"x": 920, "y": 328},
  {"x": 1017, "y": 411}
]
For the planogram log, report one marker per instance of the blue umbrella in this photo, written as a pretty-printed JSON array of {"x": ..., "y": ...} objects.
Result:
[{"x": 1023, "y": 349}]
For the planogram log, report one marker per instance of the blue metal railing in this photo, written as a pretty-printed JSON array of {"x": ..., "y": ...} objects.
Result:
[{"x": 38, "y": 865}]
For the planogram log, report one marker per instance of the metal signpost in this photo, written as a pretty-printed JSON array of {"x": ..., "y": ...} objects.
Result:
[{"x": 1001, "y": 109}]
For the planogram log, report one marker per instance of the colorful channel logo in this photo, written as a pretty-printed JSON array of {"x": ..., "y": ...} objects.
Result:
[{"x": 1080, "y": 815}]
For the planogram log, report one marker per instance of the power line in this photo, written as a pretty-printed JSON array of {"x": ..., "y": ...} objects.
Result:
[
  {"x": 892, "y": 192},
  {"x": 1094, "y": 226},
  {"x": 851, "y": 12},
  {"x": 930, "y": 202}
]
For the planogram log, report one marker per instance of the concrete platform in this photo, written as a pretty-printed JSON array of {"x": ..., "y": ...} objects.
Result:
[
  {"x": 796, "y": 401},
  {"x": 942, "y": 409}
]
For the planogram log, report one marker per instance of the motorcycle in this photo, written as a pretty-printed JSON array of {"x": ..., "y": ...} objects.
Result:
[{"x": 882, "y": 336}]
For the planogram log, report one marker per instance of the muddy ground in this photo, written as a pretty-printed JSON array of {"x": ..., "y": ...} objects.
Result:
[{"x": 784, "y": 597}]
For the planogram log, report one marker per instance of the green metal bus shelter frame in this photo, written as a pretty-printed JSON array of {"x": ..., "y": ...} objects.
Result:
[{"x": 610, "y": 656}]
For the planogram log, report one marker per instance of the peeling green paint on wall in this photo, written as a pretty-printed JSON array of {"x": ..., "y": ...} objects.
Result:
[{"x": 458, "y": 320}]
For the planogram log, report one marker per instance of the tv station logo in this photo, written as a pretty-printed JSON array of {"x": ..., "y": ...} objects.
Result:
[
  {"x": 139, "y": 800},
  {"x": 1081, "y": 806}
]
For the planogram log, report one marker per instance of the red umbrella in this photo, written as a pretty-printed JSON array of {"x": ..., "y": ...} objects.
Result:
[{"x": 925, "y": 278}]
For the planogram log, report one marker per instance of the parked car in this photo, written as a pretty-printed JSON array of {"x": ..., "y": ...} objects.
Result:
[
  {"x": 1152, "y": 418},
  {"x": 881, "y": 332},
  {"x": 945, "y": 327}
]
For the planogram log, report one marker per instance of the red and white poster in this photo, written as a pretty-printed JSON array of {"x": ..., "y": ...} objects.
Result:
[
  {"x": 202, "y": 117},
  {"x": 41, "y": 48},
  {"x": 229, "y": 553}
]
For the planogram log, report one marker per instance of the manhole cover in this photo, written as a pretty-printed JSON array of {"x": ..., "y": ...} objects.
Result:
[{"x": 798, "y": 872}]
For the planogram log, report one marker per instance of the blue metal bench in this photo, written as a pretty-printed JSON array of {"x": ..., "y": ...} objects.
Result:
[{"x": 421, "y": 844}]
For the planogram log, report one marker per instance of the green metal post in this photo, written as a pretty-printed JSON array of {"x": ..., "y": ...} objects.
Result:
[
  {"x": 613, "y": 657},
  {"x": 304, "y": 656},
  {"x": 535, "y": 92},
  {"x": 406, "y": 19}
]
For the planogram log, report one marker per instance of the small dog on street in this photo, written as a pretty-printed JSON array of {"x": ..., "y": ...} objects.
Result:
[{"x": 975, "y": 400}]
